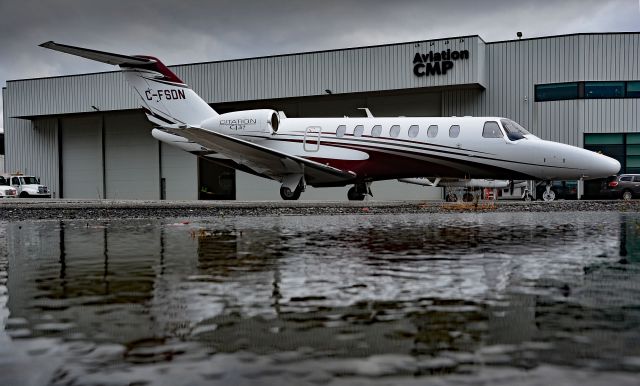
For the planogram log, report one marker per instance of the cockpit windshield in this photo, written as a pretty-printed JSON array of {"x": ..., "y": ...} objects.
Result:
[{"x": 514, "y": 130}]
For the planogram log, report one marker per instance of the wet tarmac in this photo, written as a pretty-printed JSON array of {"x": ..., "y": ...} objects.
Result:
[{"x": 399, "y": 299}]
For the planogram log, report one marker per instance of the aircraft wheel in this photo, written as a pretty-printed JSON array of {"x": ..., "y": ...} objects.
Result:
[
  {"x": 527, "y": 197},
  {"x": 451, "y": 197},
  {"x": 467, "y": 197},
  {"x": 288, "y": 194},
  {"x": 548, "y": 195},
  {"x": 354, "y": 195}
]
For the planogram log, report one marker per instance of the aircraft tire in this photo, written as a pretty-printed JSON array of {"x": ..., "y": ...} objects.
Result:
[
  {"x": 467, "y": 197},
  {"x": 550, "y": 196},
  {"x": 287, "y": 194},
  {"x": 353, "y": 195}
]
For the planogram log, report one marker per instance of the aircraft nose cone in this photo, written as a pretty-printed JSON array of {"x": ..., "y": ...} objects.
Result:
[
  {"x": 613, "y": 166},
  {"x": 605, "y": 166}
]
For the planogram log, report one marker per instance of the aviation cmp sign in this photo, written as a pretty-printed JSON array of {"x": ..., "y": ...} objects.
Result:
[{"x": 437, "y": 63}]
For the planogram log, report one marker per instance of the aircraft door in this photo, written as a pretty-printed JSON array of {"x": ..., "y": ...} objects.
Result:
[{"x": 312, "y": 139}]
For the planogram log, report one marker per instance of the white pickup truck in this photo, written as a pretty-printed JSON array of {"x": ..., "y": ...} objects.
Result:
[
  {"x": 6, "y": 191},
  {"x": 28, "y": 186}
]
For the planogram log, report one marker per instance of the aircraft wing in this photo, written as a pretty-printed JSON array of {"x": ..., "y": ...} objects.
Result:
[{"x": 264, "y": 160}]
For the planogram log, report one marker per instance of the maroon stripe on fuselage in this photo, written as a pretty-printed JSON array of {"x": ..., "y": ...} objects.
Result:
[{"x": 384, "y": 165}]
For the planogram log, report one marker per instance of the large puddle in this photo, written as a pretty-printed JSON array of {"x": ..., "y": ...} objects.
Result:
[{"x": 367, "y": 299}]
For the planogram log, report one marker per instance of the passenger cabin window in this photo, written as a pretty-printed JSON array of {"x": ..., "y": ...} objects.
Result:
[
  {"x": 15, "y": 181},
  {"x": 376, "y": 131},
  {"x": 491, "y": 130},
  {"x": 626, "y": 178},
  {"x": 636, "y": 179},
  {"x": 432, "y": 131},
  {"x": 394, "y": 131},
  {"x": 514, "y": 130},
  {"x": 340, "y": 131},
  {"x": 454, "y": 131},
  {"x": 358, "y": 130},
  {"x": 413, "y": 131}
]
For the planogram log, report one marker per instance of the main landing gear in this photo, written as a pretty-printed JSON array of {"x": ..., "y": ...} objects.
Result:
[
  {"x": 288, "y": 194},
  {"x": 292, "y": 187},
  {"x": 359, "y": 191}
]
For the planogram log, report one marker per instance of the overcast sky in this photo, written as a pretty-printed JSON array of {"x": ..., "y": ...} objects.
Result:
[{"x": 183, "y": 31}]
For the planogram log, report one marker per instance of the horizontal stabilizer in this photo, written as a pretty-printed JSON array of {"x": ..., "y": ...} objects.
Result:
[{"x": 100, "y": 56}]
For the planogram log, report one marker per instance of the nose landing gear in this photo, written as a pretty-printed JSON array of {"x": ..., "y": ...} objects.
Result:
[{"x": 548, "y": 194}]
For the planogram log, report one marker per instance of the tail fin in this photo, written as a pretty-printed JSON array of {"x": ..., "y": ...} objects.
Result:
[{"x": 165, "y": 98}]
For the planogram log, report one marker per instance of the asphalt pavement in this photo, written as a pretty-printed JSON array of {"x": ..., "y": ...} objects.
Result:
[{"x": 43, "y": 209}]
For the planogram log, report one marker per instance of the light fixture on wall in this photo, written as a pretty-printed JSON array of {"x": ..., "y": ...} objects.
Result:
[
  {"x": 328, "y": 91},
  {"x": 95, "y": 108},
  {"x": 519, "y": 35}
]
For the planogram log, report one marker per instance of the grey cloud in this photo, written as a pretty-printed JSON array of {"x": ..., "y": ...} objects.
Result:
[{"x": 191, "y": 31}]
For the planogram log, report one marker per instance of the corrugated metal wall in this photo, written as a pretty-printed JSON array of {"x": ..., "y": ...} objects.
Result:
[
  {"x": 132, "y": 157},
  {"x": 515, "y": 67},
  {"x": 180, "y": 172},
  {"x": 341, "y": 71},
  {"x": 388, "y": 67},
  {"x": 69, "y": 94},
  {"x": 32, "y": 148},
  {"x": 82, "y": 171},
  {"x": 509, "y": 71}
]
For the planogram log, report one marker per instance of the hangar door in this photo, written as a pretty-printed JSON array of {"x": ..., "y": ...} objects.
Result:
[
  {"x": 81, "y": 156},
  {"x": 132, "y": 157}
]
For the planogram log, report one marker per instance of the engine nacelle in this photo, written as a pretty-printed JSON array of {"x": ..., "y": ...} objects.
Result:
[{"x": 252, "y": 123}]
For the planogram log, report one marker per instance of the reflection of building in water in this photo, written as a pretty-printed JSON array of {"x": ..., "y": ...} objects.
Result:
[
  {"x": 362, "y": 329},
  {"x": 413, "y": 290},
  {"x": 227, "y": 252},
  {"x": 225, "y": 271},
  {"x": 630, "y": 238},
  {"x": 4, "y": 310},
  {"x": 83, "y": 274}
]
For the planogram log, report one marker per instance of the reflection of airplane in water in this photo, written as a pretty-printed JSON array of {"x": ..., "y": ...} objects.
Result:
[
  {"x": 466, "y": 189},
  {"x": 335, "y": 152}
]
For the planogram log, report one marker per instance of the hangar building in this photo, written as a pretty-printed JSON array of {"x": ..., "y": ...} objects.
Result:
[{"x": 85, "y": 136}]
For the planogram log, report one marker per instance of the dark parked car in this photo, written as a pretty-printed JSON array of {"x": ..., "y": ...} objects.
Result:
[
  {"x": 625, "y": 186},
  {"x": 567, "y": 190}
]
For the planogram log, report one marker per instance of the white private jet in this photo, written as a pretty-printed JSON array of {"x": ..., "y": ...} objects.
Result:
[{"x": 323, "y": 152}]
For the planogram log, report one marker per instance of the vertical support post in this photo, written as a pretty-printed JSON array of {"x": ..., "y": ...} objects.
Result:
[{"x": 580, "y": 188}]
